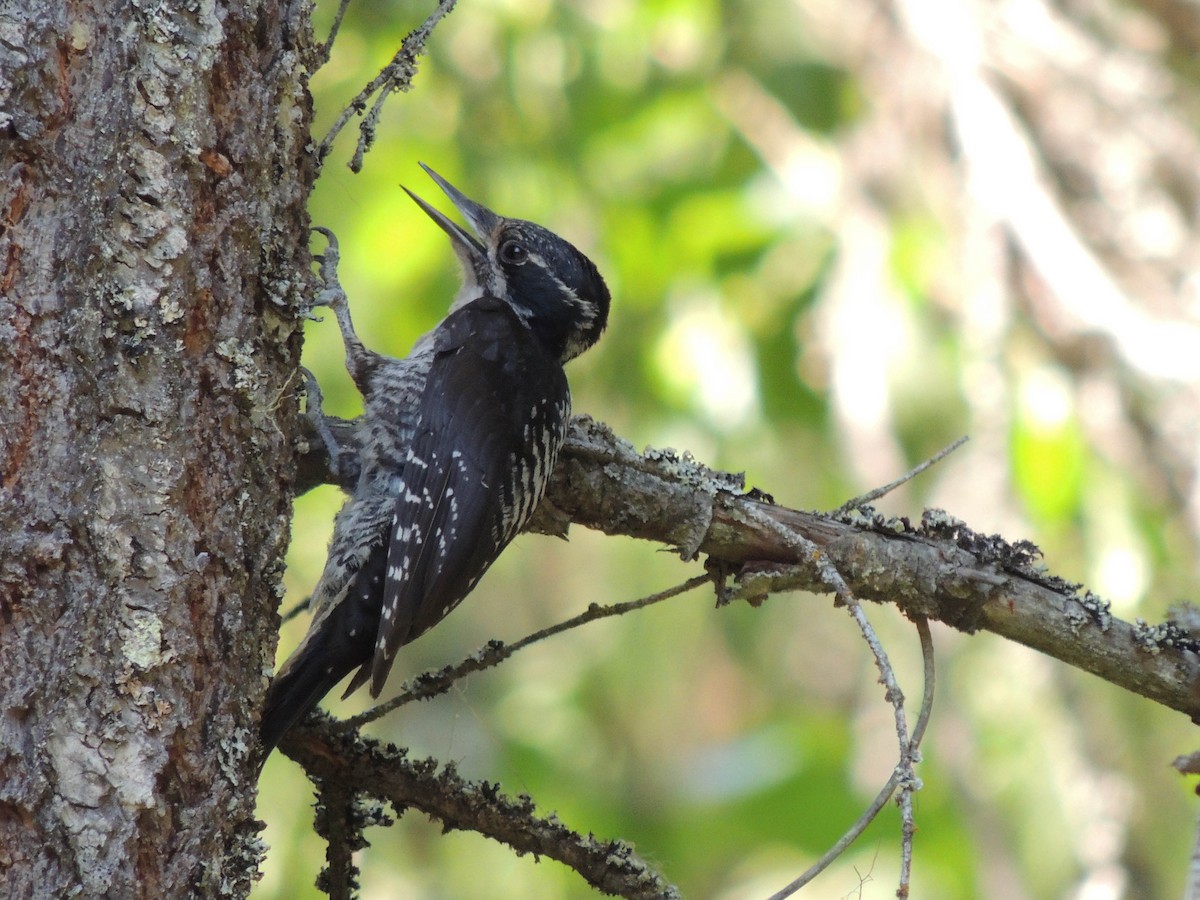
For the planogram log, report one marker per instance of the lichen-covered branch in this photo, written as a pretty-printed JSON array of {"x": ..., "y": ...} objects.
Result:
[
  {"x": 397, "y": 75},
  {"x": 340, "y": 822},
  {"x": 362, "y": 766},
  {"x": 938, "y": 568}
]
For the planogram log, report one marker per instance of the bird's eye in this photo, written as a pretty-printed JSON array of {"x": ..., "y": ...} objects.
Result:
[{"x": 513, "y": 253}]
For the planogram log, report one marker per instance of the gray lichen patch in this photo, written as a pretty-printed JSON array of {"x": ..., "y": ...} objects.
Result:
[
  {"x": 686, "y": 469},
  {"x": 141, "y": 638}
]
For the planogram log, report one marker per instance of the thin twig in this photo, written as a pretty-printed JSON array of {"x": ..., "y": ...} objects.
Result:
[
  {"x": 295, "y": 611},
  {"x": 893, "y": 693},
  {"x": 370, "y": 122},
  {"x": 878, "y": 492},
  {"x": 326, "y": 49},
  {"x": 930, "y": 675},
  {"x": 805, "y": 548},
  {"x": 911, "y": 784},
  {"x": 434, "y": 682},
  {"x": 886, "y": 792},
  {"x": 398, "y": 73}
]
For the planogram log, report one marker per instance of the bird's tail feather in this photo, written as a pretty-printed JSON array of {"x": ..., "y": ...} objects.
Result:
[
  {"x": 334, "y": 647},
  {"x": 294, "y": 694}
]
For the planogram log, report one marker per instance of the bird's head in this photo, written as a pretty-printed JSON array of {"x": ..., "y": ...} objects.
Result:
[{"x": 551, "y": 285}]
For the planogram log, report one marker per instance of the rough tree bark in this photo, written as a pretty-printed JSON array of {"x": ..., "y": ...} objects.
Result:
[{"x": 153, "y": 180}]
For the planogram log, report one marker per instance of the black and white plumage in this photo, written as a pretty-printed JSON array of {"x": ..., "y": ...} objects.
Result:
[{"x": 458, "y": 442}]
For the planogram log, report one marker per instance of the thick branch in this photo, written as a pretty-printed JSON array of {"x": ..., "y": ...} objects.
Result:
[{"x": 941, "y": 570}]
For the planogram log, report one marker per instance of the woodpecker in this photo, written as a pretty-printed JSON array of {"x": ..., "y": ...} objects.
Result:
[{"x": 458, "y": 441}]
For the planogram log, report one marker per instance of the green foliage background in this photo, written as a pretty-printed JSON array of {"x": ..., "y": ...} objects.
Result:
[{"x": 731, "y": 746}]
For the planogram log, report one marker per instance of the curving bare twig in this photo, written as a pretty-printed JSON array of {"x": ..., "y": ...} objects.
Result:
[
  {"x": 886, "y": 792},
  {"x": 834, "y": 581}
]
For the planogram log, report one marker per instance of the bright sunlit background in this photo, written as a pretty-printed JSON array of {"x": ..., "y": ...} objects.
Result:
[{"x": 838, "y": 235}]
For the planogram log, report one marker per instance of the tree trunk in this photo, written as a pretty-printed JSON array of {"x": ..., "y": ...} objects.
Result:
[{"x": 153, "y": 180}]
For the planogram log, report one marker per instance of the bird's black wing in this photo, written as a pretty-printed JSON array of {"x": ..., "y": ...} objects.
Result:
[{"x": 492, "y": 419}]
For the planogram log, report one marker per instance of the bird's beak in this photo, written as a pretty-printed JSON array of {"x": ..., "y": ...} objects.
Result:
[{"x": 481, "y": 219}]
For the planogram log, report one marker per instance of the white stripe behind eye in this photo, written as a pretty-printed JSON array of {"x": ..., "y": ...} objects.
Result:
[{"x": 587, "y": 311}]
